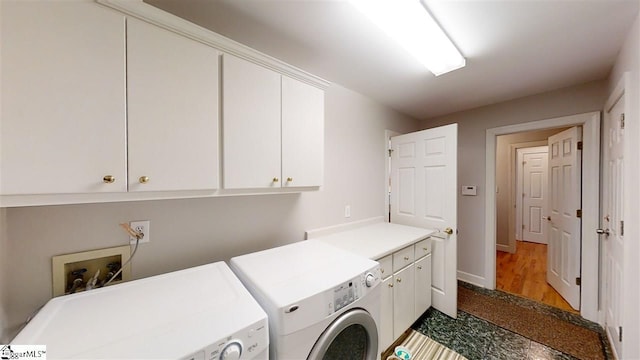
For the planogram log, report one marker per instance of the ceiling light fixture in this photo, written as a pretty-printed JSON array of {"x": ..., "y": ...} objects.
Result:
[{"x": 411, "y": 25}]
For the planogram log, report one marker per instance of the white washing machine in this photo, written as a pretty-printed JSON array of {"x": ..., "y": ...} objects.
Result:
[
  {"x": 322, "y": 302},
  {"x": 202, "y": 313}
]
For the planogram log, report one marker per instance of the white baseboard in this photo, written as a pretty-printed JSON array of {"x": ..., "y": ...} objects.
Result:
[
  {"x": 505, "y": 248},
  {"x": 312, "y": 234},
  {"x": 471, "y": 279}
]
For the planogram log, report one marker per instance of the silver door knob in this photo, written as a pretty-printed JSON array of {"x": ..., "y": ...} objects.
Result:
[{"x": 603, "y": 231}]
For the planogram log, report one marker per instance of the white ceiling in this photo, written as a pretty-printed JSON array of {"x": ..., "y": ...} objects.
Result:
[{"x": 513, "y": 48}]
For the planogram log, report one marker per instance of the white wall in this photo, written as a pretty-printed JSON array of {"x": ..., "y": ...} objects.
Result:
[
  {"x": 629, "y": 60},
  {"x": 471, "y": 155},
  {"x": 186, "y": 233}
]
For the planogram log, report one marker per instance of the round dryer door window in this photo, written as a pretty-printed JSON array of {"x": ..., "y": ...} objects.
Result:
[{"x": 353, "y": 335}]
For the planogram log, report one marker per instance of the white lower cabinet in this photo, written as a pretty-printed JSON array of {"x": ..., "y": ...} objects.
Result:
[
  {"x": 403, "y": 300},
  {"x": 423, "y": 285},
  {"x": 385, "y": 333},
  {"x": 406, "y": 290}
]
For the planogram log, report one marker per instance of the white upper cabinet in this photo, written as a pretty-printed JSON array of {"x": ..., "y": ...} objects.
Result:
[
  {"x": 119, "y": 101},
  {"x": 302, "y": 133},
  {"x": 172, "y": 91},
  {"x": 63, "y": 123},
  {"x": 251, "y": 125},
  {"x": 273, "y": 128}
]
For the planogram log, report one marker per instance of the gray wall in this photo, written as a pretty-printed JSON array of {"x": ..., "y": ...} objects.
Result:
[
  {"x": 471, "y": 155},
  {"x": 186, "y": 233}
]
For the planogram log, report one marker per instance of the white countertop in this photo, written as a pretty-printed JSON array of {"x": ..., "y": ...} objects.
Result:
[{"x": 377, "y": 240}]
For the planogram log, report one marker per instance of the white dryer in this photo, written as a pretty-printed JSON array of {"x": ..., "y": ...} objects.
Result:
[
  {"x": 201, "y": 313},
  {"x": 322, "y": 302}
]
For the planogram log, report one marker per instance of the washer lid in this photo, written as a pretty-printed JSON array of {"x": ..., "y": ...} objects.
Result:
[
  {"x": 290, "y": 273},
  {"x": 160, "y": 317}
]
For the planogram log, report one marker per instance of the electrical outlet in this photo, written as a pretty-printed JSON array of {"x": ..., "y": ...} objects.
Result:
[
  {"x": 142, "y": 226},
  {"x": 347, "y": 211}
]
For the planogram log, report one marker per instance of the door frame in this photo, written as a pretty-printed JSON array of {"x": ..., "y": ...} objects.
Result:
[
  {"x": 590, "y": 123},
  {"x": 388, "y": 134}
]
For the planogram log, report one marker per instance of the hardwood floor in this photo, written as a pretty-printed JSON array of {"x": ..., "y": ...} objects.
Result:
[{"x": 525, "y": 273}]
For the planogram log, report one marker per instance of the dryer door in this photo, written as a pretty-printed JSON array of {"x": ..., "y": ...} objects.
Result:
[{"x": 353, "y": 335}]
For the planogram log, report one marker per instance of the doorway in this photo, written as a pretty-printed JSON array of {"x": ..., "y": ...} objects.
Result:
[
  {"x": 590, "y": 205},
  {"x": 522, "y": 216}
]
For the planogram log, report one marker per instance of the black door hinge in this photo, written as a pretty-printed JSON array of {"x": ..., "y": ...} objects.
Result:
[
  {"x": 622, "y": 121},
  {"x": 579, "y": 281},
  {"x": 621, "y": 228},
  {"x": 579, "y": 213},
  {"x": 620, "y": 333},
  {"x": 390, "y": 151},
  {"x": 579, "y": 145}
]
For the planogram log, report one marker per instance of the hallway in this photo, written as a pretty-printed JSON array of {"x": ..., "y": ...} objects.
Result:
[{"x": 524, "y": 273}]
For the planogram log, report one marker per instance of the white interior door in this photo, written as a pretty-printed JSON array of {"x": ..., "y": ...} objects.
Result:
[
  {"x": 563, "y": 264},
  {"x": 534, "y": 193},
  {"x": 613, "y": 220},
  {"x": 424, "y": 183}
]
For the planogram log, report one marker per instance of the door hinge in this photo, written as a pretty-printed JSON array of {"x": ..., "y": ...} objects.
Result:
[
  {"x": 578, "y": 281},
  {"x": 579, "y": 145},
  {"x": 524, "y": 162},
  {"x": 522, "y": 227},
  {"x": 621, "y": 228},
  {"x": 579, "y": 213},
  {"x": 390, "y": 151},
  {"x": 622, "y": 121},
  {"x": 620, "y": 333}
]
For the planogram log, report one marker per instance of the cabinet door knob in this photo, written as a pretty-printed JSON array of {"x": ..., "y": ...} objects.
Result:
[
  {"x": 448, "y": 230},
  {"x": 108, "y": 179},
  {"x": 399, "y": 280},
  {"x": 382, "y": 271},
  {"x": 143, "y": 179},
  {"x": 275, "y": 179},
  {"x": 390, "y": 285},
  {"x": 425, "y": 249},
  {"x": 289, "y": 179},
  {"x": 406, "y": 258},
  {"x": 419, "y": 267}
]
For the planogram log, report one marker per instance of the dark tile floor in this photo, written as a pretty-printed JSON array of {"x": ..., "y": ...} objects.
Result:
[{"x": 476, "y": 338}]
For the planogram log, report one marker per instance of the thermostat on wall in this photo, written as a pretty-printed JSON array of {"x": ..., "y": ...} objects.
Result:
[{"x": 469, "y": 190}]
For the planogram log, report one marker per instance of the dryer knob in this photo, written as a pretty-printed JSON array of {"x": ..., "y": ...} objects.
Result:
[
  {"x": 231, "y": 351},
  {"x": 369, "y": 279}
]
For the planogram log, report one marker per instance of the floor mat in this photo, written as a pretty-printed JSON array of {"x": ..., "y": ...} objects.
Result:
[
  {"x": 422, "y": 347},
  {"x": 553, "y": 332}
]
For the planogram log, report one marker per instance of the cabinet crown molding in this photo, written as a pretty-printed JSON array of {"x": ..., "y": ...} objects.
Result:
[{"x": 158, "y": 17}]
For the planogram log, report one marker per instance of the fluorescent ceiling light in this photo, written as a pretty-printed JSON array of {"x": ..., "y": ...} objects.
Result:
[{"x": 409, "y": 24}]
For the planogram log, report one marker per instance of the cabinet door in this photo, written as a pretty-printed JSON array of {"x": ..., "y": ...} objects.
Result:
[
  {"x": 403, "y": 300},
  {"x": 172, "y": 84},
  {"x": 386, "y": 314},
  {"x": 302, "y": 133},
  {"x": 423, "y": 285},
  {"x": 251, "y": 125},
  {"x": 63, "y": 98}
]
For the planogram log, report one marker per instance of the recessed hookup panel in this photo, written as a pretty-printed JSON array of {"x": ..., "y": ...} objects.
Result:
[{"x": 72, "y": 272}]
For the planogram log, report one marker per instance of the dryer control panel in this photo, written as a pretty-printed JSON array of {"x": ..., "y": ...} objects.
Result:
[
  {"x": 354, "y": 289},
  {"x": 249, "y": 343}
]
